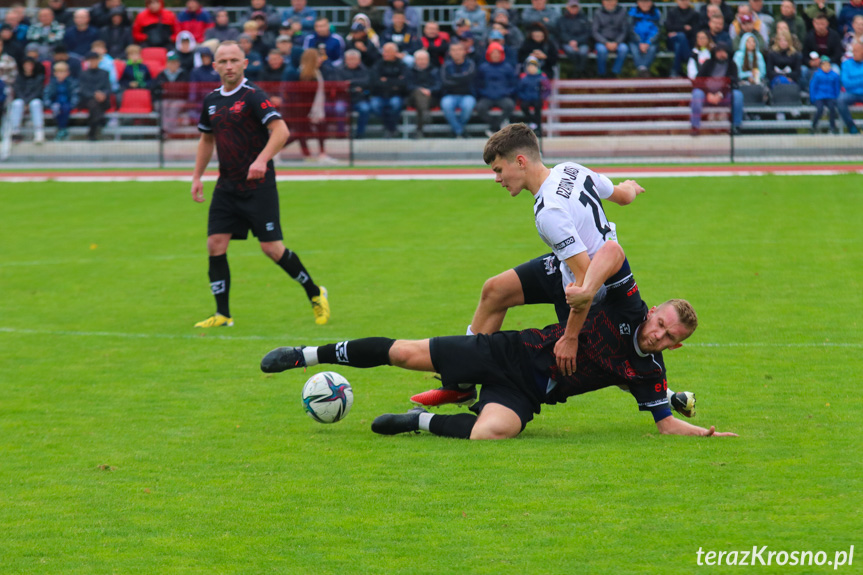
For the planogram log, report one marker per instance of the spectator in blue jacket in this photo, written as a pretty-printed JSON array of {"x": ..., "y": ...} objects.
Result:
[
  {"x": 457, "y": 85},
  {"x": 205, "y": 72},
  {"x": 533, "y": 89},
  {"x": 852, "y": 80},
  {"x": 332, "y": 42},
  {"x": 824, "y": 90},
  {"x": 407, "y": 39},
  {"x": 846, "y": 15},
  {"x": 474, "y": 13},
  {"x": 497, "y": 81},
  {"x": 61, "y": 95},
  {"x": 300, "y": 10},
  {"x": 80, "y": 37},
  {"x": 646, "y": 21}
]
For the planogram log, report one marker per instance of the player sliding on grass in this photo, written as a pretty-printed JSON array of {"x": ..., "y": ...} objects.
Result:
[
  {"x": 621, "y": 343},
  {"x": 239, "y": 120},
  {"x": 570, "y": 220}
]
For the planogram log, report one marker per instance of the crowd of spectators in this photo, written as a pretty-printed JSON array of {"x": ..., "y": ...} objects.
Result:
[{"x": 489, "y": 57}]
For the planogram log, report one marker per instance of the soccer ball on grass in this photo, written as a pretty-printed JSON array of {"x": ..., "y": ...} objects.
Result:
[{"x": 327, "y": 397}]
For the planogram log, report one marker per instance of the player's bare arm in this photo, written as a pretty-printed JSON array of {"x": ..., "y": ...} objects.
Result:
[
  {"x": 673, "y": 426},
  {"x": 626, "y": 192},
  {"x": 206, "y": 146},
  {"x": 566, "y": 347},
  {"x": 606, "y": 262},
  {"x": 278, "y": 136}
]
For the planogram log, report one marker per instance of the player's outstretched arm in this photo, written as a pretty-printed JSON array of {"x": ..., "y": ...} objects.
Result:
[
  {"x": 626, "y": 192},
  {"x": 673, "y": 426},
  {"x": 206, "y": 146}
]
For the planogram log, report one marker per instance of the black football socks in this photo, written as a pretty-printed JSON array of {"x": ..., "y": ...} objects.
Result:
[
  {"x": 291, "y": 263},
  {"x": 220, "y": 282}
]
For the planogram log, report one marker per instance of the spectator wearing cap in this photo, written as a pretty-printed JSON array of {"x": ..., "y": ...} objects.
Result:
[
  {"x": 79, "y": 37},
  {"x": 94, "y": 89},
  {"x": 496, "y": 86},
  {"x": 412, "y": 15},
  {"x": 681, "y": 24},
  {"x": 533, "y": 89},
  {"x": 747, "y": 23},
  {"x": 457, "y": 88},
  {"x": 301, "y": 10},
  {"x": 436, "y": 43},
  {"x": 171, "y": 102},
  {"x": 195, "y": 19},
  {"x": 333, "y": 44},
  {"x": 646, "y": 21},
  {"x": 374, "y": 18},
  {"x": 513, "y": 15},
  {"x": 388, "y": 87},
  {"x": 271, "y": 13},
  {"x": 28, "y": 89},
  {"x": 539, "y": 12},
  {"x": 286, "y": 49},
  {"x": 155, "y": 26},
  {"x": 423, "y": 88},
  {"x": 359, "y": 40},
  {"x": 100, "y": 13},
  {"x": 824, "y": 89},
  {"x": 820, "y": 41},
  {"x": 852, "y": 81},
  {"x": 611, "y": 32},
  {"x": 403, "y": 36},
  {"x": 573, "y": 32},
  {"x": 539, "y": 45},
  {"x": 221, "y": 29},
  {"x": 717, "y": 83},
  {"x": 46, "y": 32},
  {"x": 471, "y": 11},
  {"x": 117, "y": 34},
  {"x": 61, "y": 95}
]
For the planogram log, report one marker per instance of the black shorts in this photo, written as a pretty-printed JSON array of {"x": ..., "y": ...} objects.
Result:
[
  {"x": 542, "y": 282},
  {"x": 236, "y": 214},
  {"x": 496, "y": 362}
]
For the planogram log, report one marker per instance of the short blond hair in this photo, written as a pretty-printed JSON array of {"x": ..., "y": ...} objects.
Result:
[{"x": 685, "y": 313}]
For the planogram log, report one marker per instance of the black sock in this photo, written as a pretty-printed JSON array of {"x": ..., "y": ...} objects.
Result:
[
  {"x": 220, "y": 282},
  {"x": 458, "y": 426},
  {"x": 291, "y": 263},
  {"x": 366, "y": 352}
]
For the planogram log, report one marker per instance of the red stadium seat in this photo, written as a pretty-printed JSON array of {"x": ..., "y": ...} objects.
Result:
[
  {"x": 119, "y": 66},
  {"x": 155, "y": 59},
  {"x": 136, "y": 101}
]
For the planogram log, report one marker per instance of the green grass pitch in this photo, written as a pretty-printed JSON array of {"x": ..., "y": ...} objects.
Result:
[{"x": 131, "y": 443}]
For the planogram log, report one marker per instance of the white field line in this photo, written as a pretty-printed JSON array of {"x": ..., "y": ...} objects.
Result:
[
  {"x": 221, "y": 336},
  {"x": 312, "y": 177}
]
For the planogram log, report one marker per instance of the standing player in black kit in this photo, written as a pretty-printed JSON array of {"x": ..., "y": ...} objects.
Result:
[{"x": 248, "y": 131}]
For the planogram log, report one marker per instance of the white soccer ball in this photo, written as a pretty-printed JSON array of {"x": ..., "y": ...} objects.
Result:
[{"x": 327, "y": 397}]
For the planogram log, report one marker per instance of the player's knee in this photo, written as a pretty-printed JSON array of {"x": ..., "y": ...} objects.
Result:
[
  {"x": 272, "y": 250},
  {"x": 216, "y": 246},
  {"x": 497, "y": 293},
  {"x": 402, "y": 353},
  {"x": 495, "y": 431},
  {"x": 496, "y": 422}
]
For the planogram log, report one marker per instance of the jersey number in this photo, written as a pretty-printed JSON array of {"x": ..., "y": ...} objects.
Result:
[{"x": 595, "y": 204}]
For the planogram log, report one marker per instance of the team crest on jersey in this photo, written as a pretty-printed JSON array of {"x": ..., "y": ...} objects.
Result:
[
  {"x": 629, "y": 371},
  {"x": 624, "y": 329},
  {"x": 237, "y": 107},
  {"x": 212, "y": 110}
]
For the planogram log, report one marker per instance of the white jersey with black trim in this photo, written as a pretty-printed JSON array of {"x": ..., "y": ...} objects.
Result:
[{"x": 569, "y": 215}]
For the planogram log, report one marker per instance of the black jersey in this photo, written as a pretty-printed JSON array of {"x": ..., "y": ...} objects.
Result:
[
  {"x": 607, "y": 355},
  {"x": 238, "y": 120}
]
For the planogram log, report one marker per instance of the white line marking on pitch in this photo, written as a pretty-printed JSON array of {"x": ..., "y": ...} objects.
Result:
[{"x": 210, "y": 335}]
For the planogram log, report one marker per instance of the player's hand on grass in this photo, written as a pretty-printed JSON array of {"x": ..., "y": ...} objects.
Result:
[
  {"x": 565, "y": 351},
  {"x": 197, "y": 190},
  {"x": 712, "y": 432},
  {"x": 578, "y": 297},
  {"x": 257, "y": 170}
]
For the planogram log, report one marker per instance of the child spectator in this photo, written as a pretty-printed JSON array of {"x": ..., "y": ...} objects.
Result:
[
  {"x": 497, "y": 82},
  {"x": 645, "y": 20},
  {"x": 533, "y": 89},
  {"x": 824, "y": 88},
  {"x": 61, "y": 95},
  {"x": 28, "y": 94},
  {"x": 173, "y": 102},
  {"x": 135, "y": 74},
  {"x": 106, "y": 62},
  {"x": 195, "y": 20},
  {"x": 117, "y": 34},
  {"x": 185, "y": 48}
]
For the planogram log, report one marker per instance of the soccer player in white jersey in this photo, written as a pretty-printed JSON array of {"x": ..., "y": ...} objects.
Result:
[{"x": 570, "y": 220}]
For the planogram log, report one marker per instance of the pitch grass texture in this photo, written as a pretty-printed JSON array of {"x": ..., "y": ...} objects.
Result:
[{"x": 132, "y": 443}]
